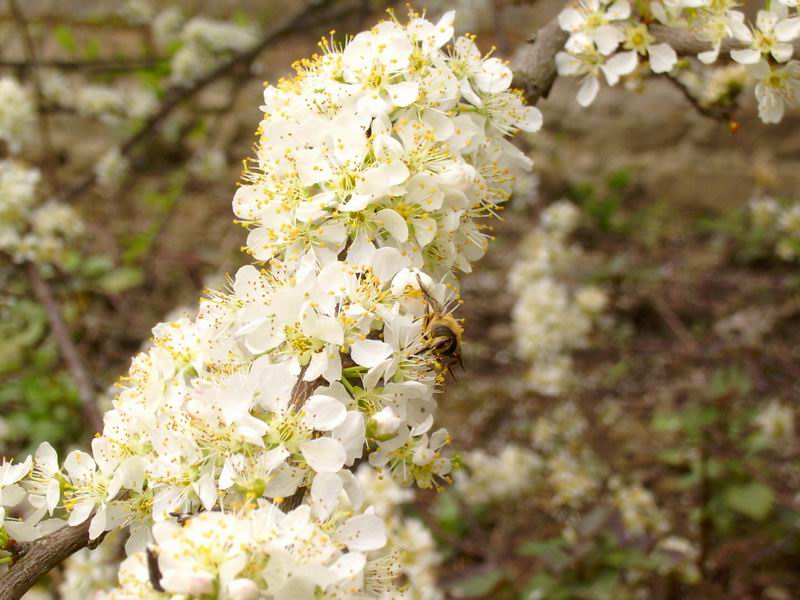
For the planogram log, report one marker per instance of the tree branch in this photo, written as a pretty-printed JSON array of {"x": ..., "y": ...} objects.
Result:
[
  {"x": 686, "y": 42},
  {"x": 67, "y": 349},
  {"x": 37, "y": 558},
  {"x": 535, "y": 69},
  {"x": 100, "y": 65},
  {"x": 535, "y": 64}
]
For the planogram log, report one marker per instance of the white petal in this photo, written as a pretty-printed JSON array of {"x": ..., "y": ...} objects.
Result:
[
  {"x": 393, "y": 223},
  {"x": 370, "y": 353},
  {"x": 424, "y": 230},
  {"x": 404, "y": 93},
  {"x": 362, "y": 533},
  {"x": 619, "y": 65},
  {"x": 782, "y": 52},
  {"x": 98, "y": 524},
  {"x": 493, "y": 76},
  {"x": 386, "y": 263},
  {"x": 746, "y": 56},
  {"x": 662, "y": 58},
  {"x": 619, "y": 10},
  {"x": 324, "y": 412},
  {"x": 356, "y": 202},
  {"x": 349, "y": 565},
  {"x": 531, "y": 120},
  {"x": 324, "y": 455},
  {"x": 709, "y": 56},
  {"x": 566, "y": 64},
  {"x": 325, "y": 494},
  {"x": 80, "y": 513},
  {"x": 570, "y": 20},
  {"x": 607, "y": 38},
  {"x": 766, "y": 20},
  {"x": 79, "y": 465},
  {"x": 588, "y": 90},
  {"x": 47, "y": 456}
]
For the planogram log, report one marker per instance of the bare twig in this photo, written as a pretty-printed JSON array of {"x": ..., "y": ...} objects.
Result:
[
  {"x": 66, "y": 347},
  {"x": 98, "y": 66},
  {"x": 718, "y": 113},
  {"x": 674, "y": 322}
]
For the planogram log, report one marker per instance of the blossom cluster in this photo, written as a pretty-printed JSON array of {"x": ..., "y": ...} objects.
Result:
[
  {"x": 17, "y": 114},
  {"x": 555, "y": 311},
  {"x": 777, "y": 224},
  {"x": 115, "y": 105},
  {"x": 32, "y": 230},
  {"x": 558, "y": 472},
  {"x": 374, "y": 167},
  {"x": 609, "y": 37},
  {"x": 199, "y": 44}
]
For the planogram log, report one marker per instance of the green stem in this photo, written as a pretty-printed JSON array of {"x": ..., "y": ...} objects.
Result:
[
  {"x": 353, "y": 370},
  {"x": 349, "y": 386}
]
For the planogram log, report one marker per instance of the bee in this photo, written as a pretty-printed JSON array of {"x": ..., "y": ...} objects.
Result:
[{"x": 442, "y": 331}]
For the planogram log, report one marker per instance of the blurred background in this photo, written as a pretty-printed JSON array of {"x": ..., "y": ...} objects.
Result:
[{"x": 631, "y": 351}]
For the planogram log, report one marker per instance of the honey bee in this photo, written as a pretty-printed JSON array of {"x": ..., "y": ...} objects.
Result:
[{"x": 443, "y": 332}]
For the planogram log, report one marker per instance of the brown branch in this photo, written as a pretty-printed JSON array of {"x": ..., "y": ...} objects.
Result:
[
  {"x": 99, "y": 65},
  {"x": 686, "y": 42},
  {"x": 37, "y": 558},
  {"x": 535, "y": 66},
  {"x": 176, "y": 95},
  {"x": 67, "y": 349}
]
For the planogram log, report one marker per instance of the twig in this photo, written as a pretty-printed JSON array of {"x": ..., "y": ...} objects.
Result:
[
  {"x": 178, "y": 94},
  {"x": 719, "y": 113},
  {"x": 66, "y": 347},
  {"x": 674, "y": 323},
  {"x": 99, "y": 65},
  {"x": 37, "y": 558}
]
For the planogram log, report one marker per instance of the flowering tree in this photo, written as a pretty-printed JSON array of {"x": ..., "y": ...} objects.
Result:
[{"x": 230, "y": 450}]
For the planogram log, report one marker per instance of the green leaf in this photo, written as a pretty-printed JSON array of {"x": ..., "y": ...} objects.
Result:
[
  {"x": 549, "y": 551},
  {"x": 477, "y": 585},
  {"x": 91, "y": 49},
  {"x": 752, "y": 500},
  {"x": 121, "y": 279},
  {"x": 448, "y": 513},
  {"x": 620, "y": 180},
  {"x": 66, "y": 39}
]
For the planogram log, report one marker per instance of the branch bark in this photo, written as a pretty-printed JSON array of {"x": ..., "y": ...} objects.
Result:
[
  {"x": 36, "y": 559},
  {"x": 535, "y": 64},
  {"x": 686, "y": 42}
]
